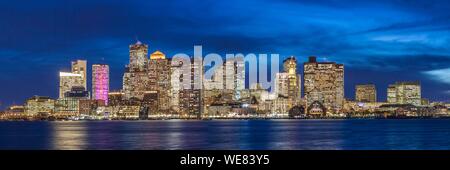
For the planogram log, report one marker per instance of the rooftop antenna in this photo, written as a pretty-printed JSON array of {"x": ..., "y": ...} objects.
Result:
[{"x": 137, "y": 40}]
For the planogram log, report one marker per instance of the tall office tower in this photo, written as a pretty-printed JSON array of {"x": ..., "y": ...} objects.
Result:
[
  {"x": 80, "y": 67},
  {"x": 135, "y": 78},
  {"x": 159, "y": 74},
  {"x": 190, "y": 98},
  {"x": 138, "y": 56},
  {"x": 282, "y": 84},
  {"x": 100, "y": 82},
  {"x": 217, "y": 79},
  {"x": 68, "y": 80},
  {"x": 176, "y": 79},
  {"x": 405, "y": 93},
  {"x": 197, "y": 74},
  {"x": 294, "y": 79},
  {"x": 229, "y": 75},
  {"x": 323, "y": 85},
  {"x": 365, "y": 93},
  {"x": 392, "y": 94},
  {"x": 234, "y": 76}
]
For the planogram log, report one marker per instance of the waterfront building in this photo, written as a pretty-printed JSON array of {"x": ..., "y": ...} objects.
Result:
[
  {"x": 219, "y": 110},
  {"x": 89, "y": 107},
  {"x": 100, "y": 82},
  {"x": 280, "y": 105},
  {"x": 190, "y": 102},
  {"x": 405, "y": 93},
  {"x": 39, "y": 105},
  {"x": 115, "y": 98},
  {"x": 324, "y": 86},
  {"x": 365, "y": 93},
  {"x": 65, "y": 107},
  {"x": 70, "y": 104},
  {"x": 14, "y": 112}
]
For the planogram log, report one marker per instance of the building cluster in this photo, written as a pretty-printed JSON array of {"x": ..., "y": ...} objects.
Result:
[{"x": 156, "y": 87}]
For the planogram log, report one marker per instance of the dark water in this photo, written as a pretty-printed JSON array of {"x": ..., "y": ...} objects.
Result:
[{"x": 228, "y": 134}]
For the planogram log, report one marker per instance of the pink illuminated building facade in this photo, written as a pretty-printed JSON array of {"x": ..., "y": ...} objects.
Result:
[{"x": 100, "y": 82}]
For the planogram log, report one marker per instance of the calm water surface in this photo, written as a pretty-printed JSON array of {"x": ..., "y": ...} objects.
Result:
[{"x": 228, "y": 134}]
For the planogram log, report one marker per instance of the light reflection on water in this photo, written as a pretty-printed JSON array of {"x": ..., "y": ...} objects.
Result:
[
  {"x": 69, "y": 135},
  {"x": 228, "y": 134}
]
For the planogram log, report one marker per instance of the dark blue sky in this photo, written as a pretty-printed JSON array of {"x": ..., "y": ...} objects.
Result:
[{"x": 378, "y": 41}]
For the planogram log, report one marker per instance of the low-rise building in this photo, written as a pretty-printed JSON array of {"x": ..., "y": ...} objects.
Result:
[{"x": 39, "y": 105}]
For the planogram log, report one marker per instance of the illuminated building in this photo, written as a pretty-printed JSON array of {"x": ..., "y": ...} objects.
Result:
[
  {"x": 280, "y": 105},
  {"x": 405, "y": 93},
  {"x": 67, "y": 107},
  {"x": 190, "y": 99},
  {"x": 392, "y": 94},
  {"x": 100, "y": 82},
  {"x": 70, "y": 104},
  {"x": 282, "y": 84},
  {"x": 39, "y": 105},
  {"x": 14, "y": 112},
  {"x": 190, "y": 102},
  {"x": 324, "y": 86},
  {"x": 69, "y": 80},
  {"x": 293, "y": 79},
  {"x": 176, "y": 86},
  {"x": 234, "y": 76},
  {"x": 159, "y": 72},
  {"x": 217, "y": 79},
  {"x": 135, "y": 78},
  {"x": 80, "y": 67},
  {"x": 115, "y": 98},
  {"x": 365, "y": 93},
  {"x": 138, "y": 56}
]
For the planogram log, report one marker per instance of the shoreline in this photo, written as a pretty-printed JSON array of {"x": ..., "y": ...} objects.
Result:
[{"x": 234, "y": 119}]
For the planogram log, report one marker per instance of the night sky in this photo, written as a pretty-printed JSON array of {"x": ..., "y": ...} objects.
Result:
[{"x": 378, "y": 41}]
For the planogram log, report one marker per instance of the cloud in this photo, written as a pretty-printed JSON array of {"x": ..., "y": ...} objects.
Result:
[{"x": 441, "y": 75}]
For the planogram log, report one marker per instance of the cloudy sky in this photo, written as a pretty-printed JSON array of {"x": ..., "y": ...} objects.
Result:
[{"x": 378, "y": 41}]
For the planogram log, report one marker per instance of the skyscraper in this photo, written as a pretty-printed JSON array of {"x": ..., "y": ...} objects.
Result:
[
  {"x": 138, "y": 56},
  {"x": 135, "y": 78},
  {"x": 324, "y": 85},
  {"x": 68, "y": 80},
  {"x": 190, "y": 97},
  {"x": 365, "y": 93},
  {"x": 293, "y": 79},
  {"x": 159, "y": 72},
  {"x": 234, "y": 76},
  {"x": 282, "y": 84},
  {"x": 100, "y": 82},
  {"x": 80, "y": 67}
]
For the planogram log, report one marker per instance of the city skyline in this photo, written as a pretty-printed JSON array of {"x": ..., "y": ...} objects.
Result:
[
  {"x": 404, "y": 43},
  {"x": 80, "y": 70}
]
